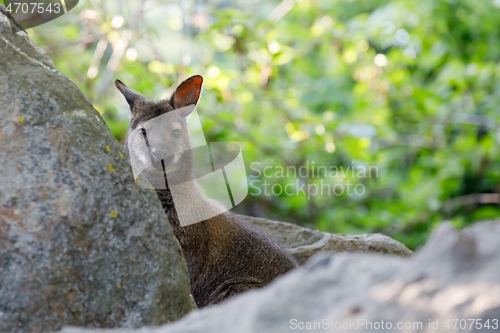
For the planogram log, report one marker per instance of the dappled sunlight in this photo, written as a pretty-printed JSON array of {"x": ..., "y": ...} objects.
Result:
[{"x": 406, "y": 86}]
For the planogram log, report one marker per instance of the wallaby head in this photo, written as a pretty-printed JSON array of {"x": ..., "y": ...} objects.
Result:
[{"x": 173, "y": 135}]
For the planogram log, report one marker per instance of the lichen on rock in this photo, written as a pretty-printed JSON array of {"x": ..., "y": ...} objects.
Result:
[{"x": 62, "y": 253}]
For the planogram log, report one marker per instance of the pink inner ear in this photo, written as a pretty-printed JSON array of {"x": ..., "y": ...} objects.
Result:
[{"x": 188, "y": 92}]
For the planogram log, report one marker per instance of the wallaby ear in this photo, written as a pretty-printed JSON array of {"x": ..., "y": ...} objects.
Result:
[
  {"x": 131, "y": 96},
  {"x": 187, "y": 93}
]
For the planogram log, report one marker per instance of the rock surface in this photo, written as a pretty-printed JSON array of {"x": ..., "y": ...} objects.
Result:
[
  {"x": 304, "y": 243},
  {"x": 454, "y": 279},
  {"x": 76, "y": 244}
]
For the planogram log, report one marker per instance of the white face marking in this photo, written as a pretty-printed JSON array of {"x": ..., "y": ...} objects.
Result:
[{"x": 144, "y": 159}]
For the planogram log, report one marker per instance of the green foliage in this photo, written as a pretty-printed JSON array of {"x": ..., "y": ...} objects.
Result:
[{"x": 409, "y": 87}]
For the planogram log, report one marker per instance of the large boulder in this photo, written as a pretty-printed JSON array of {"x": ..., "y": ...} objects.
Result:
[
  {"x": 80, "y": 243},
  {"x": 451, "y": 285},
  {"x": 303, "y": 243}
]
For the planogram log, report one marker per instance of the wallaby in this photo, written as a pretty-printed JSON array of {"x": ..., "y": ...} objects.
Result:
[{"x": 225, "y": 256}]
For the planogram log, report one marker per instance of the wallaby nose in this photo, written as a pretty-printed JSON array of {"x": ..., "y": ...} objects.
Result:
[{"x": 157, "y": 154}]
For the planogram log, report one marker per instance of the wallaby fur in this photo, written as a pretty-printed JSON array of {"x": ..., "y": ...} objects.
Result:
[{"x": 225, "y": 256}]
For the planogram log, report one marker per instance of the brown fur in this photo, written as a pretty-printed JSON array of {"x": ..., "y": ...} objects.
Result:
[{"x": 225, "y": 255}]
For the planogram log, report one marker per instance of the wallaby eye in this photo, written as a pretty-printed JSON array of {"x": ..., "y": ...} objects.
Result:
[
  {"x": 143, "y": 131},
  {"x": 176, "y": 132}
]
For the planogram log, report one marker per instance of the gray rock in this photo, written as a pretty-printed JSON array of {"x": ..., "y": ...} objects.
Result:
[
  {"x": 80, "y": 243},
  {"x": 453, "y": 280},
  {"x": 303, "y": 243}
]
